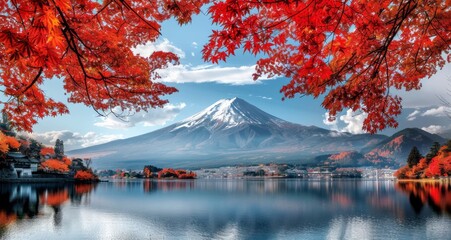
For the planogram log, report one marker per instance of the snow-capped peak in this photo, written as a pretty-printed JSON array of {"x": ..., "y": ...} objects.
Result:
[{"x": 227, "y": 113}]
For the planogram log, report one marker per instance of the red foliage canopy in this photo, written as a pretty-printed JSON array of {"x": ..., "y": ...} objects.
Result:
[
  {"x": 179, "y": 173},
  {"x": 47, "y": 151},
  {"x": 7, "y": 143},
  {"x": 55, "y": 165},
  {"x": 353, "y": 52},
  {"x": 87, "y": 45},
  {"x": 85, "y": 175}
]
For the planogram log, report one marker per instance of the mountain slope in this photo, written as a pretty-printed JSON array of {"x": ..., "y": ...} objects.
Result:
[
  {"x": 398, "y": 146},
  {"x": 231, "y": 131}
]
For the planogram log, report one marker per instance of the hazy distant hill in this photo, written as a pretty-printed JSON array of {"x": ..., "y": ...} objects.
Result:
[
  {"x": 231, "y": 131},
  {"x": 398, "y": 146},
  {"x": 446, "y": 134}
]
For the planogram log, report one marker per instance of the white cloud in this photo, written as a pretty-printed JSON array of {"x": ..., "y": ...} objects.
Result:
[
  {"x": 72, "y": 140},
  {"x": 197, "y": 74},
  {"x": 164, "y": 45},
  {"x": 262, "y": 97},
  {"x": 153, "y": 117},
  {"x": 441, "y": 111},
  {"x": 353, "y": 122},
  {"x": 413, "y": 115},
  {"x": 266, "y": 98},
  {"x": 433, "y": 129},
  {"x": 208, "y": 73}
]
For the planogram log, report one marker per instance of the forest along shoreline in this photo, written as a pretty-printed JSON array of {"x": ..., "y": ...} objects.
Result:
[{"x": 24, "y": 159}]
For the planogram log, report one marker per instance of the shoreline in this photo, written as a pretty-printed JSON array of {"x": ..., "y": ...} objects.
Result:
[
  {"x": 44, "y": 180},
  {"x": 425, "y": 180}
]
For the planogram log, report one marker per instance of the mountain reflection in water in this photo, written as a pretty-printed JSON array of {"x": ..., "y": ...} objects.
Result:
[{"x": 233, "y": 209}]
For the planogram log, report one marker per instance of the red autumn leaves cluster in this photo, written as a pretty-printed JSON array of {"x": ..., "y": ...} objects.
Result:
[
  {"x": 7, "y": 143},
  {"x": 55, "y": 165},
  {"x": 179, "y": 173},
  {"x": 351, "y": 52},
  {"x": 86, "y": 44},
  {"x": 85, "y": 175}
]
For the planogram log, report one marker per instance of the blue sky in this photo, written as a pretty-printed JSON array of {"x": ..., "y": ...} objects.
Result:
[{"x": 201, "y": 84}]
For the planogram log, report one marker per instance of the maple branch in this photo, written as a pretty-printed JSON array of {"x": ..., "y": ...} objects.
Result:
[
  {"x": 382, "y": 51},
  {"x": 435, "y": 29},
  {"x": 103, "y": 8},
  {"x": 289, "y": 17},
  {"x": 74, "y": 48},
  {"x": 138, "y": 15},
  {"x": 18, "y": 12},
  {"x": 33, "y": 81}
]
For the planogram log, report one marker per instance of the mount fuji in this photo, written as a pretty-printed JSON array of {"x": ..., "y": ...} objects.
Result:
[{"x": 229, "y": 132}]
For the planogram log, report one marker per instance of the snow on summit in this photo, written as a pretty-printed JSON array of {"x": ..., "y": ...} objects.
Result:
[{"x": 228, "y": 113}]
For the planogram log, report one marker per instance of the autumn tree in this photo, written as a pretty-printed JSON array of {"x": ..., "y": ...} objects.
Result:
[
  {"x": 167, "y": 173},
  {"x": 87, "y": 45},
  {"x": 414, "y": 157},
  {"x": 149, "y": 170},
  {"x": 351, "y": 52},
  {"x": 47, "y": 152},
  {"x": 55, "y": 165},
  {"x": 401, "y": 173},
  {"x": 7, "y": 143},
  {"x": 85, "y": 175}
]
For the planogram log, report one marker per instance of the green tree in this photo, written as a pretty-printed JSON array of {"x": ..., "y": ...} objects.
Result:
[
  {"x": 59, "y": 149},
  {"x": 433, "y": 151},
  {"x": 448, "y": 146},
  {"x": 35, "y": 149},
  {"x": 414, "y": 157},
  {"x": 5, "y": 126}
]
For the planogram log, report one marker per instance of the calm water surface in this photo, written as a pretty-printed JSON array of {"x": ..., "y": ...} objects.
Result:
[{"x": 226, "y": 209}]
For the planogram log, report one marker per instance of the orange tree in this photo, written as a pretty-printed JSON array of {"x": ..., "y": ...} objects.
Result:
[
  {"x": 85, "y": 175},
  {"x": 7, "y": 143},
  {"x": 55, "y": 165},
  {"x": 352, "y": 52}
]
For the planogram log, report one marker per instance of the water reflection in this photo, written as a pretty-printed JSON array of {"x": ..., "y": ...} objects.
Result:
[
  {"x": 437, "y": 195},
  {"x": 25, "y": 201},
  {"x": 232, "y": 209}
]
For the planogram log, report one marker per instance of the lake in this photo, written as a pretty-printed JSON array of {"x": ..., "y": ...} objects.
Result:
[{"x": 226, "y": 209}]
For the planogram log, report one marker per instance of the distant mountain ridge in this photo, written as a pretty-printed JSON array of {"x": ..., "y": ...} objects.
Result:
[
  {"x": 398, "y": 146},
  {"x": 229, "y": 132}
]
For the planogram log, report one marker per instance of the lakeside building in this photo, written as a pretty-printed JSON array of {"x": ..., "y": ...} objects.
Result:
[{"x": 20, "y": 165}]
